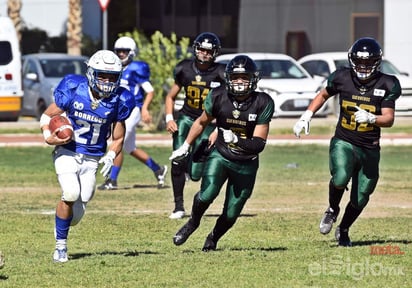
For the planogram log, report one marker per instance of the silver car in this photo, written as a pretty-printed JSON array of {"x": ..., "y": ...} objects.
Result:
[
  {"x": 41, "y": 74},
  {"x": 291, "y": 87}
]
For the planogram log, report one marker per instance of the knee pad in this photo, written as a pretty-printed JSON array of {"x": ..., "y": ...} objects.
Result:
[
  {"x": 79, "y": 208},
  {"x": 70, "y": 187}
]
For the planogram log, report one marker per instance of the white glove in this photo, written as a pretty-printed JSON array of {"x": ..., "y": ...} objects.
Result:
[
  {"x": 181, "y": 152},
  {"x": 303, "y": 123},
  {"x": 229, "y": 136},
  {"x": 107, "y": 161},
  {"x": 362, "y": 116}
]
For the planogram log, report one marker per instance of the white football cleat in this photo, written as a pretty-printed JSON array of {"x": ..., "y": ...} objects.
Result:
[
  {"x": 177, "y": 215},
  {"x": 60, "y": 255}
]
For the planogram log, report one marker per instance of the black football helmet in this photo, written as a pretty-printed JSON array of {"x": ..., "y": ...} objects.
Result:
[
  {"x": 206, "y": 41},
  {"x": 365, "y": 57},
  {"x": 241, "y": 64}
]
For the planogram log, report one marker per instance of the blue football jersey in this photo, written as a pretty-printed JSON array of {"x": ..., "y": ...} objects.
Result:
[
  {"x": 91, "y": 119},
  {"x": 133, "y": 76}
]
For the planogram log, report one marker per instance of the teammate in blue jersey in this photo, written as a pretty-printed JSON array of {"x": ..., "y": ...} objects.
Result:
[
  {"x": 136, "y": 78},
  {"x": 97, "y": 107}
]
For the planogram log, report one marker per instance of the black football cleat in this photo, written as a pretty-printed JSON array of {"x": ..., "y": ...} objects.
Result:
[
  {"x": 183, "y": 234},
  {"x": 326, "y": 223},
  {"x": 342, "y": 236},
  {"x": 210, "y": 244}
]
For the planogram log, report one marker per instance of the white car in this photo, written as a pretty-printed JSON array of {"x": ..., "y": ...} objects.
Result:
[
  {"x": 323, "y": 64},
  {"x": 289, "y": 84}
]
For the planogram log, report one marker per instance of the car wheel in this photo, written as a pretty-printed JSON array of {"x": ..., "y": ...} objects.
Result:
[{"x": 41, "y": 107}]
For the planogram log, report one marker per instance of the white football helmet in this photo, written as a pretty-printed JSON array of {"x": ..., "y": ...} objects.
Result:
[
  {"x": 104, "y": 61},
  {"x": 128, "y": 44}
]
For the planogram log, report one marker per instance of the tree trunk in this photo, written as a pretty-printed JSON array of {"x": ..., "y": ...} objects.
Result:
[
  {"x": 13, "y": 11},
  {"x": 74, "y": 28}
]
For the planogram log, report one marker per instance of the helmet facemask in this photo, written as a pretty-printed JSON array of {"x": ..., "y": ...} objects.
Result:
[
  {"x": 206, "y": 47},
  {"x": 240, "y": 84},
  {"x": 364, "y": 67},
  {"x": 365, "y": 57},
  {"x": 241, "y": 76},
  {"x": 125, "y": 48},
  {"x": 104, "y": 72}
]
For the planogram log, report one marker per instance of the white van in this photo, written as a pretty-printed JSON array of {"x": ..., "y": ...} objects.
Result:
[{"x": 10, "y": 72}]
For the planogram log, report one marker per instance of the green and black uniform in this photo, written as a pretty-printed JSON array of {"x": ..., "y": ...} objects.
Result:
[
  {"x": 236, "y": 163},
  {"x": 197, "y": 84},
  {"x": 355, "y": 149}
]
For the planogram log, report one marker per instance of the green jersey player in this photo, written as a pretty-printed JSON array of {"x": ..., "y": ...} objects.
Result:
[
  {"x": 242, "y": 118},
  {"x": 367, "y": 103}
]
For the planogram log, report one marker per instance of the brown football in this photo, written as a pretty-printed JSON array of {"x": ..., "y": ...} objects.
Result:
[{"x": 62, "y": 125}]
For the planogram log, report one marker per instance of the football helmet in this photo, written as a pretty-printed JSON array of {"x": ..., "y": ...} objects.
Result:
[
  {"x": 127, "y": 44},
  {"x": 244, "y": 65},
  {"x": 104, "y": 61},
  {"x": 206, "y": 41},
  {"x": 365, "y": 57}
]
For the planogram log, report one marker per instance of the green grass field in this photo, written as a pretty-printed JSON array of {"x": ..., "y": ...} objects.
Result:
[{"x": 125, "y": 238}]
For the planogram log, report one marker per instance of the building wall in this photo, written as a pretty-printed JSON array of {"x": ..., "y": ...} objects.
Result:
[
  {"x": 397, "y": 37},
  {"x": 327, "y": 23}
]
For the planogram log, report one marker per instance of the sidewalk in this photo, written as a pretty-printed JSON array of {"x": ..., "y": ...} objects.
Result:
[{"x": 10, "y": 140}]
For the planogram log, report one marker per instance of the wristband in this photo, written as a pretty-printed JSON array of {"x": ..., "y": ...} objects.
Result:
[
  {"x": 186, "y": 145},
  {"x": 169, "y": 117},
  {"x": 111, "y": 154},
  {"x": 307, "y": 116},
  {"x": 46, "y": 134},
  {"x": 44, "y": 120}
]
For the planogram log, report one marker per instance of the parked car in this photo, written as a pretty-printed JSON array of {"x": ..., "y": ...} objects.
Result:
[
  {"x": 323, "y": 64},
  {"x": 41, "y": 74},
  {"x": 287, "y": 82}
]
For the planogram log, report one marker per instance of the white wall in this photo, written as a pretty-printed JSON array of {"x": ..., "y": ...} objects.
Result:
[
  {"x": 397, "y": 46},
  {"x": 48, "y": 15}
]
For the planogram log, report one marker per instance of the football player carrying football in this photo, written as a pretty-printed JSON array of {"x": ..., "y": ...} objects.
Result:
[
  {"x": 242, "y": 116},
  {"x": 367, "y": 103},
  {"x": 93, "y": 105},
  {"x": 196, "y": 76},
  {"x": 136, "y": 78}
]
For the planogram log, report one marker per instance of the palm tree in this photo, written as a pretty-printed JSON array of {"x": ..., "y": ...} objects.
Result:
[
  {"x": 13, "y": 11},
  {"x": 74, "y": 28}
]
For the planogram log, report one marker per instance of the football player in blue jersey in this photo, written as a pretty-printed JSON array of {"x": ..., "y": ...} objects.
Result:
[
  {"x": 367, "y": 103},
  {"x": 136, "y": 78},
  {"x": 97, "y": 107},
  {"x": 197, "y": 77}
]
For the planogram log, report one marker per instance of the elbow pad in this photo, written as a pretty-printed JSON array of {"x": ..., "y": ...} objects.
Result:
[{"x": 253, "y": 145}]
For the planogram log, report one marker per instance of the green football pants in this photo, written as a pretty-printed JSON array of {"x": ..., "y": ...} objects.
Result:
[
  {"x": 240, "y": 176},
  {"x": 184, "y": 124},
  {"x": 349, "y": 162}
]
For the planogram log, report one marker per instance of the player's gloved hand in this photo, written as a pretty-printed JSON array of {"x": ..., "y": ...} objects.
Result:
[
  {"x": 107, "y": 161},
  {"x": 303, "y": 123},
  {"x": 229, "y": 136},
  {"x": 181, "y": 152},
  {"x": 362, "y": 116}
]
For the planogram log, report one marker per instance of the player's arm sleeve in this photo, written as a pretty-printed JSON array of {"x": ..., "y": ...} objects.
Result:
[
  {"x": 126, "y": 105},
  {"x": 395, "y": 91},
  {"x": 62, "y": 94},
  {"x": 253, "y": 145},
  {"x": 268, "y": 109},
  {"x": 147, "y": 87}
]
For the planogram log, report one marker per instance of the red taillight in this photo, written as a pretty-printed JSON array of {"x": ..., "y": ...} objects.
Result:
[{"x": 8, "y": 76}]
